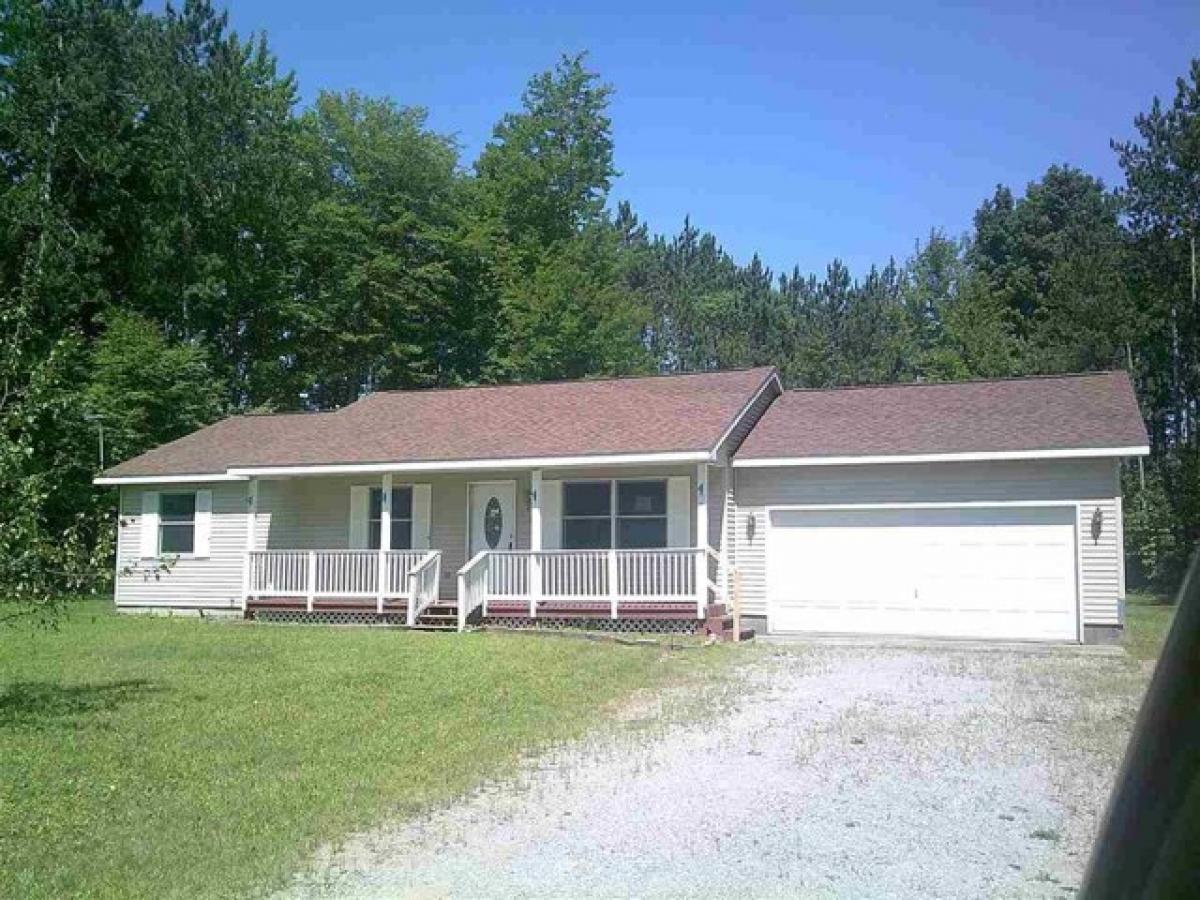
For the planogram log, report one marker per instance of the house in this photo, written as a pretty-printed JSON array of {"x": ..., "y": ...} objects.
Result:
[{"x": 986, "y": 509}]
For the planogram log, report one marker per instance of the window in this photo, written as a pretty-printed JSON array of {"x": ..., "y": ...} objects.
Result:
[
  {"x": 641, "y": 514},
  {"x": 402, "y": 504},
  {"x": 587, "y": 515},
  {"x": 598, "y": 515},
  {"x": 176, "y": 523}
]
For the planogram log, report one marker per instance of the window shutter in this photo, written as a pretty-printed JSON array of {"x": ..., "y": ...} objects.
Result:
[
  {"x": 360, "y": 509},
  {"x": 149, "y": 524},
  {"x": 551, "y": 501},
  {"x": 203, "y": 527},
  {"x": 679, "y": 511},
  {"x": 421, "y": 495}
]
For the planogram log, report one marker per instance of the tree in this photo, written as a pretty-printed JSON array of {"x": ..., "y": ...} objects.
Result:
[
  {"x": 146, "y": 390},
  {"x": 1155, "y": 547},
  {"x": 1162, "y": 171},
  {"x": 572, "y": 317},
  {"x": 143, "y": 167},
  {"x": 957, "y": 326},
  {"x": 545, "y": 175},
  {"x": 541, "y": 186},
  {"x": 1055, "y": 256},
  {"x": 383, "y": 295},
  {"x": 214, "y": 203}
]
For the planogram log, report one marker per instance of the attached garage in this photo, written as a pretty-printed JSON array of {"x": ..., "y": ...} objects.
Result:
[
  {"x": 989, "y": 572},
  {"x": 980, "y": 510}
]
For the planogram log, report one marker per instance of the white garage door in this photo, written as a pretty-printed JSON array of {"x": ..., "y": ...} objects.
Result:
[{"x": 1000, "y": 573}]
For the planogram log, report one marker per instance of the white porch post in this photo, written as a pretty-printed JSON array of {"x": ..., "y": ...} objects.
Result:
[
  {"x": 535, "y": 540},
  {"x": 701, "y": 538},
  {"x": 612, "y": 582},
  {"x": 385, "y": 536},
  {"x": 312, "y": 578},
  {"x": 723, "y": 553},
  {"x": 251, "y": 522}
]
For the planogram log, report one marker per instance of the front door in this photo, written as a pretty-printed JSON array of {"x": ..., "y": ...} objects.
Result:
[{"x": 492, "y": 516}]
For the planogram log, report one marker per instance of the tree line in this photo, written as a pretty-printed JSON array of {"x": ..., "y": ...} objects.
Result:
[{"x": 180, "y": 239}]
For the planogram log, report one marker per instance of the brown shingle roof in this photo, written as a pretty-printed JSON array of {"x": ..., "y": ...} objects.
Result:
[
  {"x": 659, "y": 414},
  {"x": 1011, "y": 415}
]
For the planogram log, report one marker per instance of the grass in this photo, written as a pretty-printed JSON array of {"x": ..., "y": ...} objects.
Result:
[
  {"x": 1147, "y": 620},
  {"x": 160, "y": 757}
]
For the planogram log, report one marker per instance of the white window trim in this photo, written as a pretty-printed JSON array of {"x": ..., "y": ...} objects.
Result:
[{"x": 614, "y": 515}]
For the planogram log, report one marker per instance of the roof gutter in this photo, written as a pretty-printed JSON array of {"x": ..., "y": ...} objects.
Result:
[
  {"x": 109, "y": 480},
  {"x": 980, "y": 456},
  {"x": 468, "y": 465}
]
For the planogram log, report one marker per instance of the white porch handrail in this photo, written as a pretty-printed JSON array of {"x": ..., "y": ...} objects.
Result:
[
  {"x": 312, "y": 574},
  {"x": 656, "y": 575},
  {"x": 472, "y": 587},
  {"x": 716, "y": 579},
  {"x": 423, "y": 584}
]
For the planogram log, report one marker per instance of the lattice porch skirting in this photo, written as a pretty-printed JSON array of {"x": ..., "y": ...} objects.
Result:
[
  {"x": 623, "y": 625},
  {"x": 326, "y": 617}
]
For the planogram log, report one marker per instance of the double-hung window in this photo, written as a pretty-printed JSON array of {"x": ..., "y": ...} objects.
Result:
[
  {"x": 587, "y": 515},
  {"x": 599, "y": 515},
  {"x": 641, "y": 514},
  {"x": 177, "y": 523},
  {"x": 402, "y": 514}
]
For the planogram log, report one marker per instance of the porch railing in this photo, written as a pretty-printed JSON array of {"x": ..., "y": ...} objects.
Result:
[
  {"x": 423, "y": 585},
  {"x": 565, "y": 577},
  {"x": 472, "y": 587},
  {"x": 312, "y": 574}
]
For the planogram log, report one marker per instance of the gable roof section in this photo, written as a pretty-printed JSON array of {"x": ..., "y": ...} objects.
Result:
[
  {"x": 677, "y": 414},
  {"x": 1070, "y": 415}
]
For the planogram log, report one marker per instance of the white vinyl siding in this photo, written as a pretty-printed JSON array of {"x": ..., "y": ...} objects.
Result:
[
  {"x": 1102, "y": 569},
  {"x": 1090, "y": 482},
  {"x": 194, "y": 580}
]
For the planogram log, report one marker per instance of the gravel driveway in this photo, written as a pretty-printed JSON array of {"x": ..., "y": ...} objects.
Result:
[{"x": 827, "y": 772}]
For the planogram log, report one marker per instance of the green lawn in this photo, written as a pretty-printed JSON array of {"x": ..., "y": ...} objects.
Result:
[
  {"x": 1147, "y": 618},
  {"x": 169, "y": 757}
]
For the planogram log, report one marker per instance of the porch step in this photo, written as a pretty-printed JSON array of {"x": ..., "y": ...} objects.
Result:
[
  {"x": 441, "y": 616},
  {"x": 719, "y": 624}
]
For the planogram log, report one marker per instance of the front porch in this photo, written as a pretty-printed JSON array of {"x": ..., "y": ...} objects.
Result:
[
  {"x": 507, "y": 586},
  {"x": 448, "y": 549}
]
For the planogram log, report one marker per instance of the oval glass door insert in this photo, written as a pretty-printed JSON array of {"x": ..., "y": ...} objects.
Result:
[{"x": 493, "y": 522}]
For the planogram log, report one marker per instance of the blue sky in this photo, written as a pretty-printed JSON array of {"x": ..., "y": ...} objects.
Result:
[{"x": 802, "y": 131}]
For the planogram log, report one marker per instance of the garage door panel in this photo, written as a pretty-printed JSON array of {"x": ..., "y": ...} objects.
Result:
[{"x": 948, "y": 572}]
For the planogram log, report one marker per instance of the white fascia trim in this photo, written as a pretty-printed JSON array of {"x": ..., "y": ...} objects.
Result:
[
  {"x": 981, "y": 456},
  {"x": 164, "y": 479},
  {"x": 478, "y": 465},
  {"x": 773, "y": 380}
]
